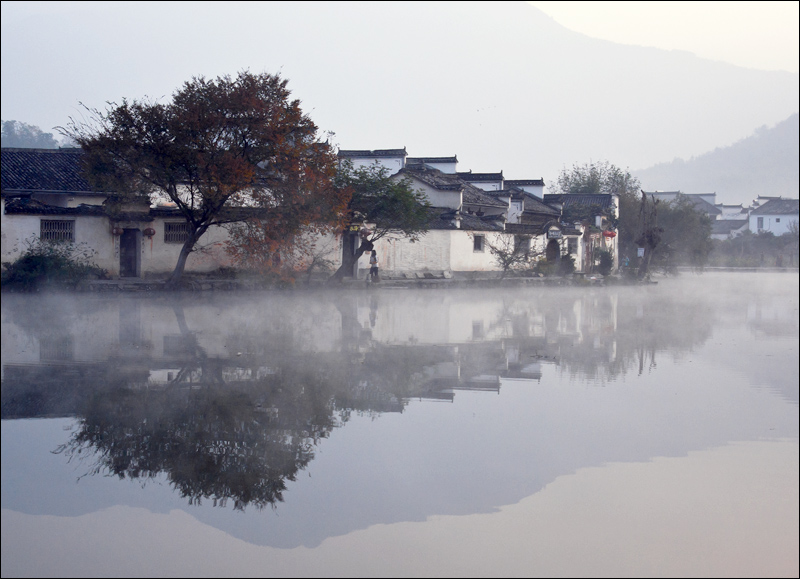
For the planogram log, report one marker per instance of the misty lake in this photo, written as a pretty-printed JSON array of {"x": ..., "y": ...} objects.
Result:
[{"x": 538, "y": 431}]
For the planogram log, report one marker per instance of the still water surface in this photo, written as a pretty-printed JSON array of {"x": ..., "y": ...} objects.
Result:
[{"x": 612, "y": 431}]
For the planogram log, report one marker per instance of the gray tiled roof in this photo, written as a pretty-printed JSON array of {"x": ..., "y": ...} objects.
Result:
[
  {"x": 521, "y": 182},
  {"x": 533, "y": 204},
  {"x": 602, "y": 200},
  {"x": 433, "y": 177},
  {"x": 416, "y": 160},
  {"x": 725, "y": 226},
  {"x": 374, "y": 153},
  {"x": 43, "y": 170},
  {"x": 442, "y": 218},
  {"x": 474, "y": 196},
  {"x": 28, "y": 206},
  {"x": 701, "y": 204},
  {"x": 778, "y": 207},
  {"x": 470, "y": 176}
]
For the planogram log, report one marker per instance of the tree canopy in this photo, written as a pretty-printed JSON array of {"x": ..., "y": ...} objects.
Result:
[
  {"x": 384, "y": 204},
  {"x": 596, "y": 178},
  {"x": 227, "y": 150},
  {"x": 23, "y": 135}
]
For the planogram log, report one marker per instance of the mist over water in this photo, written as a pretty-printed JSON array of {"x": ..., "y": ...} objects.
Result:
[{"x": 305, "y": 419}]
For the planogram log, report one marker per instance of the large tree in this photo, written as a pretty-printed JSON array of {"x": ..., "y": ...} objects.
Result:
[
  {"x": 380, "y": 205},
  {"x": 603, "y": 177},
  {"x": 595, "y": 178},
  {"x": 224, "y": 151},
  {"x": 23, "y": 135}
]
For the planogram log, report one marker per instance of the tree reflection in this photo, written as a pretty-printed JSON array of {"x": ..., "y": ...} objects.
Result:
[
  {"x": 214, "y": 442},
  {"x": 231, "y": 416}
]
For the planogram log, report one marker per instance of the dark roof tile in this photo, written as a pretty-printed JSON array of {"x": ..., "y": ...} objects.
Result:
[
  {"x": 778, "y": 207},
  {"x": 43, "y": 170},
  {"x": 374, "y": 153}
]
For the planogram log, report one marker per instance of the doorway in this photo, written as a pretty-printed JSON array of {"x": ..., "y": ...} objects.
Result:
[
  {"x": 129, "y": 244},
  {"x": 553, "y": 250}
]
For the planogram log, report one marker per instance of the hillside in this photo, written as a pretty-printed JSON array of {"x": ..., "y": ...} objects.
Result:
[{"x": 765, "y": 163}]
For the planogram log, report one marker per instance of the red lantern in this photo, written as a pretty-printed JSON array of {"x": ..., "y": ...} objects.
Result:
[
  {"x": 609, "y": 233},
  {"x": 149, "y": 232}
]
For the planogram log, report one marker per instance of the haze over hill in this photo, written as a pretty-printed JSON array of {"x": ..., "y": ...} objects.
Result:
[
  {"x": 501, "y": 85},
  {"x": 765, "y": 163}
]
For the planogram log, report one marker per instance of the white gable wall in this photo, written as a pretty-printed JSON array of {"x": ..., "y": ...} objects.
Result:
[
  {"x": 487, "y": 185},
  {"x": 393, "y": 164},
  {"x": 776, "y": 224},
  {"x": 449, "y": 168},
  {"x": 438, "y": 198}
]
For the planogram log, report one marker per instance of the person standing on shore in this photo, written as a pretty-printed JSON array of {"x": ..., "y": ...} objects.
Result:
[{"x": 373, "y": 266}]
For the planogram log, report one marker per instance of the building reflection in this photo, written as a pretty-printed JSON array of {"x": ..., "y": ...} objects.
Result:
[{"x": 229, "y": 398}]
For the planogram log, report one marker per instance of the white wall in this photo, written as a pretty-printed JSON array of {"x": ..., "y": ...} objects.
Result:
[
  {"x": 464, "y": 258},
  {"x": 157, "y": 257},
  {"x": 514, "y": 211},
  {"x": 393, "y": 164},
  {"x": 449, "y": 168},
  {"x": 537, "y": 190},
  {"x": 777, "y": 224},
  {"x": 487, "y": 185},
  {"x": 437, "y": 198},
  {"x": 401, "y": 255}
]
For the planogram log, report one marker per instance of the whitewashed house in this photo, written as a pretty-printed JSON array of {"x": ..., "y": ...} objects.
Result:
[
  {"x": 46, "y": 196},
  {"x": 444, "y": 164},
  {"x": 391, "y": 159},
  {"x": 731, "y": 221},
  {"x": 774, "y": 216},
  {"x": 585, "y": 239},
  {"x": 471, "y": 213}
]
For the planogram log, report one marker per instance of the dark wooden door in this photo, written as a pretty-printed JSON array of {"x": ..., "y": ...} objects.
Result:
[{"x": 128, "y": 253}]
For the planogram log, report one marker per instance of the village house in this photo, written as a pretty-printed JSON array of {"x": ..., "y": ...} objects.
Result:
[
  {"x": 774, "y": 216},
  {"x": 472, "y": 214},
  {"x": 45, "y": 195},
  {"x": 597, "y": 232}
]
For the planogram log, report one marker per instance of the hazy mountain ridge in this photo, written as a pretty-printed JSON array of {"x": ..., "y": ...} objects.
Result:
[
  {"x": 501, "y": 85},
  {"x": 765, "y": 163}
]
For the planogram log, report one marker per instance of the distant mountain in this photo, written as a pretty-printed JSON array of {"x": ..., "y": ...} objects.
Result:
[
  {"x": 766, "y": 163},
  {"x": 499, "y": 84}
]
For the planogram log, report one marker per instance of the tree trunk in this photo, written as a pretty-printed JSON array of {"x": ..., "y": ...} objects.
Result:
[
  {"x": 349, "y": 260},
  {"x": 174, "y": 280},
  {"x": 644, "y": 267}
]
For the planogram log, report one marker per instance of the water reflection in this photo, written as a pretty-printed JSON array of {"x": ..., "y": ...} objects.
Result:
[{"x": 229, "y": 396}]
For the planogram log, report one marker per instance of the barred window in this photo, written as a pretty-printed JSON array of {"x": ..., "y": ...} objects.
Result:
[
  {"x": 57, "y": 230},
  {"x": 176, "y": 232},
  {"x": 55, "y": 348},
  {"x": 572, "y": 245}
]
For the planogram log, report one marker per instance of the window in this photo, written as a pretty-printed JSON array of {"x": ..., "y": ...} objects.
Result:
[
  {"x": 522, "y": 244},
  {"x": 57, "y": 230},
  {"x": 572, "y": 245},
  {"x": 777, "y": 220},
  {"x": 760, "y": 223},
  {"x": 56, "y": 348},
  {"x": 477, "y": 243},
  {"x": 178, "y": 345},
  {"x": 176, "y": 232}
]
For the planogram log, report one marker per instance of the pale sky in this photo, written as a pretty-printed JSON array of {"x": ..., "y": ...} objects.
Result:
[
  {"x": 762, "y": 35},
  {"x": 501, "y": 85}
]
